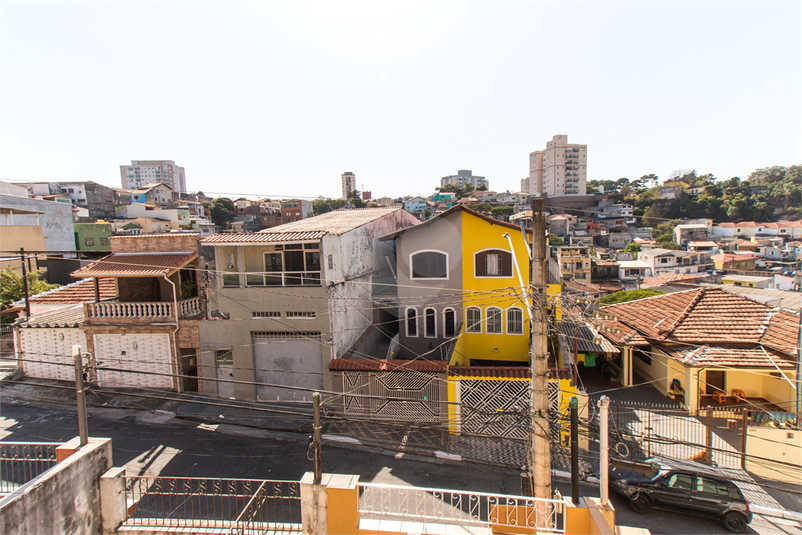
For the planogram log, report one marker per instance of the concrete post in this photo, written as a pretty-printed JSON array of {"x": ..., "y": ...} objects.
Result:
[
  {"x": 604, "y": 452},
  {"x": 314, "y": 505},
  {"x": 112, "y": 499}
]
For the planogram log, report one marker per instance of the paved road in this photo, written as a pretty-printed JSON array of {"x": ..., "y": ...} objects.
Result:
[{"x": 153, "y": 443}]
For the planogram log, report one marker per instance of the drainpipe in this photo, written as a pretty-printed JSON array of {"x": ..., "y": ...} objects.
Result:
[{"x": 175, "y": 346}]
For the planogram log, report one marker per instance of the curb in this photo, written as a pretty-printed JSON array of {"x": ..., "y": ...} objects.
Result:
[{"x": 776, "y": 513}]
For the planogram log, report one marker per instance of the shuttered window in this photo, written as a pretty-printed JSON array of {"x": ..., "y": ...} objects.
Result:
[{"x": 493, "y": 263}]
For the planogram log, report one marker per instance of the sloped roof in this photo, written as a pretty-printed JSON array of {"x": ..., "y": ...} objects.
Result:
[
  {"x": 70, "y": 316},
  {"x": 454, "y": 209},
  {"x": 137, "y": 265},
  {"x": 706, "y": 316},
  {"x": 77, "y": 292},
  {"x": 263, "y": 237},
  {"x": 706, "y": 355},
  {"x": 586, "y": 338}
]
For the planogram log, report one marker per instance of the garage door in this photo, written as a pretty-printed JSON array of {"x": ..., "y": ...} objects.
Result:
[
  {"x": 51, "y": 349},
  {"x": 293, "y": 359},
  {"x": 146, "y": 354}
]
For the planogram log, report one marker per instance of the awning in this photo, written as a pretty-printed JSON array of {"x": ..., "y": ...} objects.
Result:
[{"x": 137, "y": 265}]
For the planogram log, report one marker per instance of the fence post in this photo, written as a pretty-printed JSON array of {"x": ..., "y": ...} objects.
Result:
[
  {"x": 744, "y": 423},
  {"x": 709, "y": 436},
  {"x": 112, "y": 499},
  {"x": 649, "y": 435}
]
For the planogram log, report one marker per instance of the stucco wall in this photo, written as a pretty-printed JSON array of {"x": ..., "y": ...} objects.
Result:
[
  {"x": 783, "y": 445},
  {"x": 55, "y": 220},
  {"x": 64, "y": 499}
]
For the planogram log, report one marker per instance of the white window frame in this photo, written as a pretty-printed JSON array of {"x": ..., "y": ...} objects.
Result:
[
  {"x": 521, "y": 312},
  {"x": 488, "y": 311},
  {"x": 512, "y": 266},
  {"x": 412, "y": 271},
  {"x": 426, "y": 321},
  {"x": 406, "y": 322},
  {"x": 476, "y": 327}
]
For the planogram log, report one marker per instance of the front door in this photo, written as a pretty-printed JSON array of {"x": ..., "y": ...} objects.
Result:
[{"x": 714, "y": 381}]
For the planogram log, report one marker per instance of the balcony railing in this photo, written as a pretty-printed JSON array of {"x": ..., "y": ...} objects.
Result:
[
  {"x": 22, "y": 461},
  {"x": 438, "y": 506},
  {"x": 153, "y": 310},
  {"x": 278, "y": 278}
]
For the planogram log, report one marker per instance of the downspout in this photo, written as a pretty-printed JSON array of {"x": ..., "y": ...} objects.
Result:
[
  {"x": 175, "y": 346},
  {"x": 518, "y": 272}
]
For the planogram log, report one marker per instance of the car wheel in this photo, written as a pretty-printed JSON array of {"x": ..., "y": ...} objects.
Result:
[
  {"x": 640, "y": 504},
  {"x": 734, "y": 522}
]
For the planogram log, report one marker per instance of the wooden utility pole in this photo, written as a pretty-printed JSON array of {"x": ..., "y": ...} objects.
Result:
[
  {"x": 83, "y": 428},
  {"x": 316, "y": 439},
  {"x": 539, "y": 357}
]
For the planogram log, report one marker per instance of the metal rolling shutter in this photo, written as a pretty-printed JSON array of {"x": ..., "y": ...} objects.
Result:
[{"x": 287, "y": 358}]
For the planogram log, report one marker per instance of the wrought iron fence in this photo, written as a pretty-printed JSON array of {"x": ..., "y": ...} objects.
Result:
[
  {"x": 237, "y": 505},
  {"x": 438, "y": 506},
  {"x": 22, "y": 461}
]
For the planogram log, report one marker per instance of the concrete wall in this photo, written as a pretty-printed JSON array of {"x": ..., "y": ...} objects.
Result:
[
  {"x": 783, "y": 445},
  {"x": 55, "y": 220},
  {"x": 64, "y": 499},
  {"x": 155, "y": 244}
]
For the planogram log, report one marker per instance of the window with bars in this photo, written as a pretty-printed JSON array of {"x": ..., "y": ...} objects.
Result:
[
  {"x": 431, "y": 323},
  {"x": 268, "y": 314},
  {"x": 300, "y": 315},
  {"x": 449, "y": 323},
  {"x": 515, "y": 321},
  {"x": 494, "y": 320},
  {"x": 493, "y": 263},
  {"x": 412, "y": 322},
  {"x": 473, "y": 317}
]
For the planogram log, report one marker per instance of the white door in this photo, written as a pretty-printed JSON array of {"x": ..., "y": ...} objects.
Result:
[
  {"x": 134, "y": 360},
  {"x": 47, "y": 353},
  {"x": 225, "y": 373}
]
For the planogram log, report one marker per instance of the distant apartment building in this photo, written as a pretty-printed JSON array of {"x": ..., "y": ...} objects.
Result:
[
  {"x": 349, "y": 183},
  {"x": 560, "y": 169},
  {"x": 143, "y": 172},
  {"x": 295, "y": 210},
  {"x": 464, "y": 177},
  {"x": 98, "y": 199}
]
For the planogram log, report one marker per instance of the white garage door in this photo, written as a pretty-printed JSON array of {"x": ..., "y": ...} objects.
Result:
[
  {"x": 47, "y": 353},
  {"x": 146, "y": 354},
  {"x": 291, "y": 359}
]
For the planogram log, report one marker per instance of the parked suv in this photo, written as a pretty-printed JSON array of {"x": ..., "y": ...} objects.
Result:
[{"x": 682, "y": 489}]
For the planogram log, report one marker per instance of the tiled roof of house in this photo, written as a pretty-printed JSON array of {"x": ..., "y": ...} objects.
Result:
[
  {"x": 137, "y": 265},
  {"x": 263, "y": 237},
  {"x": 705, "y": 316},
  {"x": 388, "y": 365},
  {"x": 77, "y": 292},
  {"x": 619, "y": 333},
  {"x": 454, "y": 209},
  {"x": 70, "y": 316},
  {"x": 706, "y": 355},
  {"x": 498, "y": 372}
]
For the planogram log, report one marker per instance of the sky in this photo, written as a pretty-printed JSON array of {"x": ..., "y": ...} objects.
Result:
[{"x": 278, "y": 99}]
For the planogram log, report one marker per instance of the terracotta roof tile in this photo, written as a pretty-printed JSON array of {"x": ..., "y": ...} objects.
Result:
[
  {"x": 136, "y": 265},
  {"x": 388, "y": 365},
  {"x": 500, "y": 372},
  {"x": 706, "y": 355},
  {"x": 263, "y": 237},
  {"x": 782, "y": 332},
  {"x": 78, "y": 292}
]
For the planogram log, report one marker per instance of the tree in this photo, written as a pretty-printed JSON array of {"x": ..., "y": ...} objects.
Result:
[
  {"x": 12, "y": 288},
  {"x": 633, "y": 295},
  {"x": 459, "y": 191},
  {"x": 482, "y": 207},
  {"x": 555, "y": 240},
  {"x": 222, "y": 211},
  {"x": 615, "y": 230},
  {"x": 321, "y": 206},
  {"x": 355, "y": 198},
  {"x": 502, "y": 212}
]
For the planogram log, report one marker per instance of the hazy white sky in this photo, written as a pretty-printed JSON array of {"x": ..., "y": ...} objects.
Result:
[{"x": 280, "y": 98}]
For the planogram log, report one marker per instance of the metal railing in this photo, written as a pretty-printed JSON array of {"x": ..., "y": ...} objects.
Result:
[
  {"x": 20, "y": 462},
  {"x": 439, "y": 506},
  {"x": 235, "y": 505}
]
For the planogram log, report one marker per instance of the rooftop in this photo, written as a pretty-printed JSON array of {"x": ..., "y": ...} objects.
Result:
[
  {"x": 137, "y": 265},
  {"x": 70, "y": 316},
  {"x": 706, "y": 355},
  {"x": 77, "y": 292}
]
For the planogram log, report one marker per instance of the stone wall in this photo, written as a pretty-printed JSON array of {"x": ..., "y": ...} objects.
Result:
[{"x": 155, "y": 243}]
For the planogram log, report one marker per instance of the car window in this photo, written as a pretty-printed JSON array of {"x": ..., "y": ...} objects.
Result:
[
  {"x": 711, "y": 486},
  {"x": 735, "y": 492},
  {"x": 680, "y": 481}
]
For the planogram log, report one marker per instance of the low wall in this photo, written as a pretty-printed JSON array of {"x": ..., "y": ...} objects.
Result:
[
  {"x": 782, "y": 445},
  {"x": 64, "y": 499}
]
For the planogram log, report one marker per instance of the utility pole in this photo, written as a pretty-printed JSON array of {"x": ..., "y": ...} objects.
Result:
[
  {"x": 83, "y": 428},
  {"x": 316, "y": 439},
  {"x": 799, "y": 372},
  {"x": 25, "y": 284},
  {"x": 539, "y": 357},
  {"x": 604, "y": 452},
  {"x": 574, "y": 406}
]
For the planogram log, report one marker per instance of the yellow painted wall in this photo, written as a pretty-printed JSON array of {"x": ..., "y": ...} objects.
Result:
[
  {"x": 779, "y": 391},
  {"x": 784, "y": 445},
  {"x": 483, "y": 292},
  {"x": 553, "y": 292}
]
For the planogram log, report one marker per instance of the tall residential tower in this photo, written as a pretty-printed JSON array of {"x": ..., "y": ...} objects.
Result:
[
  {"x": 561, "y": 169},
  {"x": 143, "y": 172},
  {"x": 349, "y": 183}
]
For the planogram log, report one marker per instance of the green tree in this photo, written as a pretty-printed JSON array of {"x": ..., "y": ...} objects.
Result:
[
  {"x": 555, "y": 240},
  {"x": 459, "y": 191},
  {"x": 321, "y": 206},
  {"x": 634, "y": 248},
  {"x": 632, "y": 295},
  {"x": 222, "y": 211},
  {"x": 355, "y": 198},
  {"x": 503, "y": 212},
  {"x": 12, "y": 288}
]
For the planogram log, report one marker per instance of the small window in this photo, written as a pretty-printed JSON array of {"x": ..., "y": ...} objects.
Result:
[
  {"x": 449, "y": 323},
  {"x": 104, "y": 241},
  {"x": 431, "y": 323},
  {"x": 224, "y": 357},
  {"x": 230, "y": 280},
  {"x": 429, "y": 265},
  {"x": 268, "y": 314},
  {"x": 412, "y": 322},
  {"x": 300, "y": 315},
  {"x": 494, "y": 320},
  {"x": 493, "y": 263},
  {"x": 89, "y": 241},
  {"x": 473, "y": 317},
  {"x": 515, "y": 321}
]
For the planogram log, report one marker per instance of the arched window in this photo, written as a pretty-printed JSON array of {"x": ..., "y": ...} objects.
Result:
[
  {"x": 429, "y": 265},
  {"x": 493, "y": 263},
  {"x": 430, "y": 316},
  {"x": 473, "y": 319},
  {"x": 449, "y": 323},
  {"x": 515, "y": 321},
  {"x": 494, "y": 320},
  {"x": 412, "y": 322}
]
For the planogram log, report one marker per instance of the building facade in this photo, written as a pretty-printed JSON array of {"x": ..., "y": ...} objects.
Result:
[
  {"x": 464, "y": 177},
  {"x": 143, "y": 172},
  {"x": 560, "y": 169},
  {"x": 348, "y": 183}
]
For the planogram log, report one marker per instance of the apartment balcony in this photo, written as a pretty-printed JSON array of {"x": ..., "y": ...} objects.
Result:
[{"x": 145, "y": 312}]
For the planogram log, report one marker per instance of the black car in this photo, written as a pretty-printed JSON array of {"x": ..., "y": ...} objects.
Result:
[{"x": 681, "y": 489}]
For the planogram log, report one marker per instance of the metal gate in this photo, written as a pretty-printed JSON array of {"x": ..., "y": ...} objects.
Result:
[
  {"x": 394, "y": 396},
  {"x": 47, "y": 353},
  {"x": 134, "y": 360}
]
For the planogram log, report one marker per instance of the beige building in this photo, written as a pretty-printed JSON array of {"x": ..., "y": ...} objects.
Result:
[
  {"x": 349, "y": 183},
  {"x": 560, "y": 169},
  {"x": 143, "y": 172}
]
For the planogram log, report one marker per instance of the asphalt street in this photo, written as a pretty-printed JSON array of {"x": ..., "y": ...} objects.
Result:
[{"x": 155, "y": 443}]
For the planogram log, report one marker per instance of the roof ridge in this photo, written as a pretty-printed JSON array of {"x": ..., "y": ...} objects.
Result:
[{"x": 685, "y": 313}]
